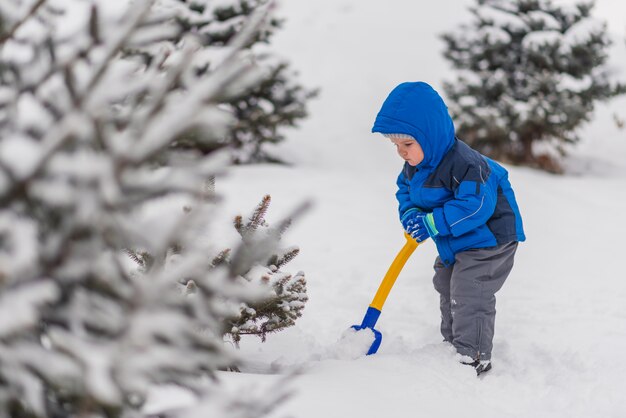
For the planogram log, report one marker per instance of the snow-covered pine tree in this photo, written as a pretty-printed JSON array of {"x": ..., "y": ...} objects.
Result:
[
  {"x": 284, "y": 295},
  {"x": 86, "y": 171},
  {"x": 261, "y": 113},
  {"x": 529, "y": 74}
]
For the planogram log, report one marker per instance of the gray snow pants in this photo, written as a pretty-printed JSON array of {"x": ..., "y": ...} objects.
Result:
[{"x": 467, "y": 297}]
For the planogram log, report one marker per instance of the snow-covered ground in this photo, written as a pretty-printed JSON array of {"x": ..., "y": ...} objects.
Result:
[{"x": 560, "y": 340}]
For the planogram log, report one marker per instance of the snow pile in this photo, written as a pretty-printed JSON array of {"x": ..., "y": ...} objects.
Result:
[{"x": 352, "y": 345}]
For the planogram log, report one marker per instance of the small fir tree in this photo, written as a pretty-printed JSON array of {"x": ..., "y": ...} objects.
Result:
[
  {"x": 275, "y": 299},
  {"x": 529, "y": 75}
]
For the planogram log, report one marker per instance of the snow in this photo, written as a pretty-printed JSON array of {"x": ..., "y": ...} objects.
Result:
[
  {"x": 573, "y": 84},
  {"x": 539, "y": 39},
  {"x": 560, "y": 336},
  {"x": 75, "y": 15},
  {"x": 547, "y": 20},
  {"x": 501, "y": 18},
  {"x": 494, "y": 35},
  {"x": 20, "y": 154},
  {"x": 582, "y": 31},
  {"x": 352, "y": 345},
  {"x": 21, "y": 309}
]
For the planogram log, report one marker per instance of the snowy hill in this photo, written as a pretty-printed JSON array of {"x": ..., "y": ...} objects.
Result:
[{"x": 560, "y": 334}]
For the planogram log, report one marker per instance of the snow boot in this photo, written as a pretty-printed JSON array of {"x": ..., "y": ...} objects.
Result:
[{"x": 480, "y": 366}]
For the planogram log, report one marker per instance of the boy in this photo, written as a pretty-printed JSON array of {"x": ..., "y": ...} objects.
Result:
[{"x": 461, "y": 199}]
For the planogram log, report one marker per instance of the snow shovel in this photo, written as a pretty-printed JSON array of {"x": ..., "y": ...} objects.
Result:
[{"x": 373, "y": 312}]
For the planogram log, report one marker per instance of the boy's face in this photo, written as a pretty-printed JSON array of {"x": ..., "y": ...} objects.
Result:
[{"x": 409, "y": 149}]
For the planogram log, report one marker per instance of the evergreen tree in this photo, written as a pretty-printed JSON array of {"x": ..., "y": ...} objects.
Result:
[
  {"x": 529, "y": 74},
  {"x": 276, "y": 102},
  {"x": 86, "y": 171}
]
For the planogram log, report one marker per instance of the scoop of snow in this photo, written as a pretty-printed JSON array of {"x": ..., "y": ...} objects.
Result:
[{"x": 353, "y": 344}]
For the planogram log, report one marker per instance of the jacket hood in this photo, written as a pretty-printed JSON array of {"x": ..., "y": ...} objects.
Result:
[{"x": 416, "y": 109}]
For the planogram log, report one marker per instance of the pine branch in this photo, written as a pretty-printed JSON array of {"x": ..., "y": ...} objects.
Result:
[
  {"x": 238, "y": 223},
  {"x": 9, "y": 34},
  {"x": 94, "y": 27},
  {"x": 137, "y": 12},
  {"x": 279, "y": 261},
  {"x": 191, "y": 288},
  {"x": 258, "y": 216},
  {"x": 210, "y": 186},
  {"x": 221, "y": 258},
  {"x": 68, "y": 78},
  {"x": 286, "y": 223},
  {"x": 133, "y": 256},
  {"x": 160, "y": 87}
]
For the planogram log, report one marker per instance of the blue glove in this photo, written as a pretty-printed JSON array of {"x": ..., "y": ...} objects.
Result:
[
  {"x": 419, "y": 225},
  {"x": 408, "y": 217}
]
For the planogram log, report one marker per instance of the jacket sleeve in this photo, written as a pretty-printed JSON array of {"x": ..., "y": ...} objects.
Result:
[
  {"x": 404, "y": 201},
  {"x": 474, "y": 202}
]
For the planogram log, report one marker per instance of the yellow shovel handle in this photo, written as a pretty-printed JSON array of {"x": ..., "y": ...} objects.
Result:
[{"x": 393, "y": 272}]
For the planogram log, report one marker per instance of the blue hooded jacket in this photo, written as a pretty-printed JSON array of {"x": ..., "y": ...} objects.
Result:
[{"x": 470, "y": 196}]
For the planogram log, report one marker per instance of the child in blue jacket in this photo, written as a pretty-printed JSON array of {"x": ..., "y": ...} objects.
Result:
[{"x": 461, "y": 199}]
